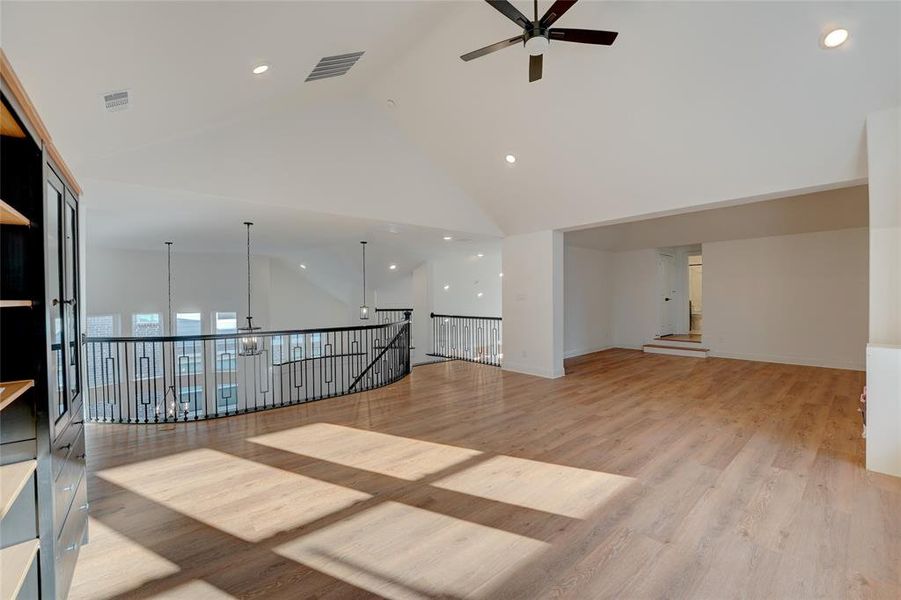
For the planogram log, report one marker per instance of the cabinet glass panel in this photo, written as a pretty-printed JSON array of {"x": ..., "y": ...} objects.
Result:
[
  {"x": 58, "y": 396},
  {"x": 71, "y": 305}
]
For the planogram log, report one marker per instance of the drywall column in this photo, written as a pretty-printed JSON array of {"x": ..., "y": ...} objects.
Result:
[
  {"x": 422, "y": 308},
  {"x": 884, "y": 348},
  {"x": 533, "y": 303}
]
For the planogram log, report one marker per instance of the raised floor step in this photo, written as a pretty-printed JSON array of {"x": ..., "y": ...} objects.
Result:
[{"x": 676, "y": 350}]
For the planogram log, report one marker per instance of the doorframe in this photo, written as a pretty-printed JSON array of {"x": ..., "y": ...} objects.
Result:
[
  {"x": 662, "y": 290},
  {"x": 679, "y": 310}
]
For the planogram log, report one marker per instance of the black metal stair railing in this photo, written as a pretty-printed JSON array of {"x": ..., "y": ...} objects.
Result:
[
  {"x": 476, "y": 339},
  {"x": 191, "y": 378}
]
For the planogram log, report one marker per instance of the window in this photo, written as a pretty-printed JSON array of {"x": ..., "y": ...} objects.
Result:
[
  {"x": 189, "y": 353},
  {"x": 226, "y": 322},
  {"x": 103, "y": 325},
  {"x": 146, "y": 325},
  {"x": 226, "y": 349},
  {"x": 188, "y": 324},
  {"x": 288, "y": 348},
  {"x": 227, "y": 397},
  {"x": 190, "y": 399},
  {"x": 147, "y": 362},
  {"x": 101, "y": 358},
  {"x": 315, "y": 345}
]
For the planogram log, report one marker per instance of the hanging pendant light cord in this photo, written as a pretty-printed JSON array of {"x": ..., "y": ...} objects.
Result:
[
  {"x": 364, "y": 273},
  {"x": 248, "y": 270},
  {"x": 169, "y": 284}
]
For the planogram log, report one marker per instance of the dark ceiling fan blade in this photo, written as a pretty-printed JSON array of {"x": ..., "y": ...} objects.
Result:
[
  {"x": 535, "y": 64},
  {"x": 556, "y": 11},
  {"x": 583, "y": 36},
  {"x": 491, "y": 48},
  {"x": 510, "y": 11}
]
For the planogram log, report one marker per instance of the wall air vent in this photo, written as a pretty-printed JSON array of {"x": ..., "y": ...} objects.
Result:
[
  {"x": 116, "y": 101},
  {"x": 332, "y": 66}
]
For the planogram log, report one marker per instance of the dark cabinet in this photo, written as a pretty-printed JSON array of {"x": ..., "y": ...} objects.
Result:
[{"x": 43, "y": 521}]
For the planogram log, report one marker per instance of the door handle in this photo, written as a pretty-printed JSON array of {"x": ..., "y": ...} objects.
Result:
[{"x": 666, "y": 299}]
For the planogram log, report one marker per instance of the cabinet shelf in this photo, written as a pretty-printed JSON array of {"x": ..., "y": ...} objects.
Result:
[
  {"x": 14, "y": 303},
  {"x": 15, "y": 562},
  {"x": 13, "y": 479},
  {"x": 10, "y": 216},
  {"x": 10, "y": 390}
]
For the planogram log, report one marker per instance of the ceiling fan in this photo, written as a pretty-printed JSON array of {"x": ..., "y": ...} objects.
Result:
[{"x": 537, "y": 35}]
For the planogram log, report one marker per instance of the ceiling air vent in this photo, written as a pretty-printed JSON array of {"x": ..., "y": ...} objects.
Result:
[
  {"x": 115, "y": 101},
  {"x": 332, "y": 66}
]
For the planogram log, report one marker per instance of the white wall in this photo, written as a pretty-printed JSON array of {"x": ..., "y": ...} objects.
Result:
[
  {"x": 588, "y": 300},
  {"x": 295, "y": 302},
  {"x": 465, "y": 274},
  {"x": 798, "y": 299},
  {"x": 533, "y": 303},
  {"x": 126, "y": 282},
  {"x": 635, "y": 310},
  {"x": 395, "y": 294},
  {"x": 884, "y": 349},
  {"x": 468, "y": 275}
]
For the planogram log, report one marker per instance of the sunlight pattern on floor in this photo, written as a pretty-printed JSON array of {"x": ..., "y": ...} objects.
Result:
[
  {"x": 195, "y": 589},
  {"x": 194, "y": 483},
  {"x": 402, "y": 552},
  {"x": 143, "y": 563},
  {"x": 401, "y": 457},
  {"x": 543, "y": 486}
]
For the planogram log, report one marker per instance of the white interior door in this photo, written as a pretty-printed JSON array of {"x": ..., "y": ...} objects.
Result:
[{"x": 666, "y": 285}]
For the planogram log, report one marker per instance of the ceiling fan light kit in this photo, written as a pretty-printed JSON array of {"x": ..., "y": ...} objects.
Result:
[{"x": 537, "y": 34}]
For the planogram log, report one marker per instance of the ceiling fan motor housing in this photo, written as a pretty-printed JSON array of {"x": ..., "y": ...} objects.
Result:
[{"x": 536, "y": 41}]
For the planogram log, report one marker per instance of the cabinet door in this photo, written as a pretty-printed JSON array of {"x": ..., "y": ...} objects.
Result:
[
  {"x": 59, "y": 399},
  {"x": 71, "y": 304}
]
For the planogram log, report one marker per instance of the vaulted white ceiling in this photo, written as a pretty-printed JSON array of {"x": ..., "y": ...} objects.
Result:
[{"x": 697, "y": 102}]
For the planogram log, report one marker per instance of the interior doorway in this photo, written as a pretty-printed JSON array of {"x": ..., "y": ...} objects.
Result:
[
  {"x": 678, "y": 293},
  {"x": 666, "y": 293},
  {"x": 695, "y": 302}
]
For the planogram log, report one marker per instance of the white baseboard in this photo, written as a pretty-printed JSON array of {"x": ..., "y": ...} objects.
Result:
[
  {"x": 584, "y": 351},
  {"x": 527, "y": 370},
  {"x": 792, "y": 360}
]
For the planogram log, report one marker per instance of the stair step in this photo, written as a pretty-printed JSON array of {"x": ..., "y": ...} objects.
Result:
[
  {"x": 675, "y": 343},
  {"x": 675, "y": 350}
]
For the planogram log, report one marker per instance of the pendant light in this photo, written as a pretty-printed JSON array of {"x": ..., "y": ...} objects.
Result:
[
  {"x": 171, "y": 395},
  {"x": 364, "y": 310},
  {"x": 169, "y": 286},
  {"x": 250, "y": 340}
]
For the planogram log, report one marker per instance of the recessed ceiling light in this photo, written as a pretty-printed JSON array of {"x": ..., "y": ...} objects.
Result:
[
  {"x": 835, "y": 38},
  {"x": 392, "y": 267},
  {"x": 500, "y": 274},
  {"x": 446, "y": 287},
  {"x": 479, "y": 294},
  {"x": 303, "y": 266},
  {"x": 447, "y": 238},
  {"x": 260, "y": 69},
  {"x": 480, "y": 255},
  {"x": 510, "y": 159}
]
